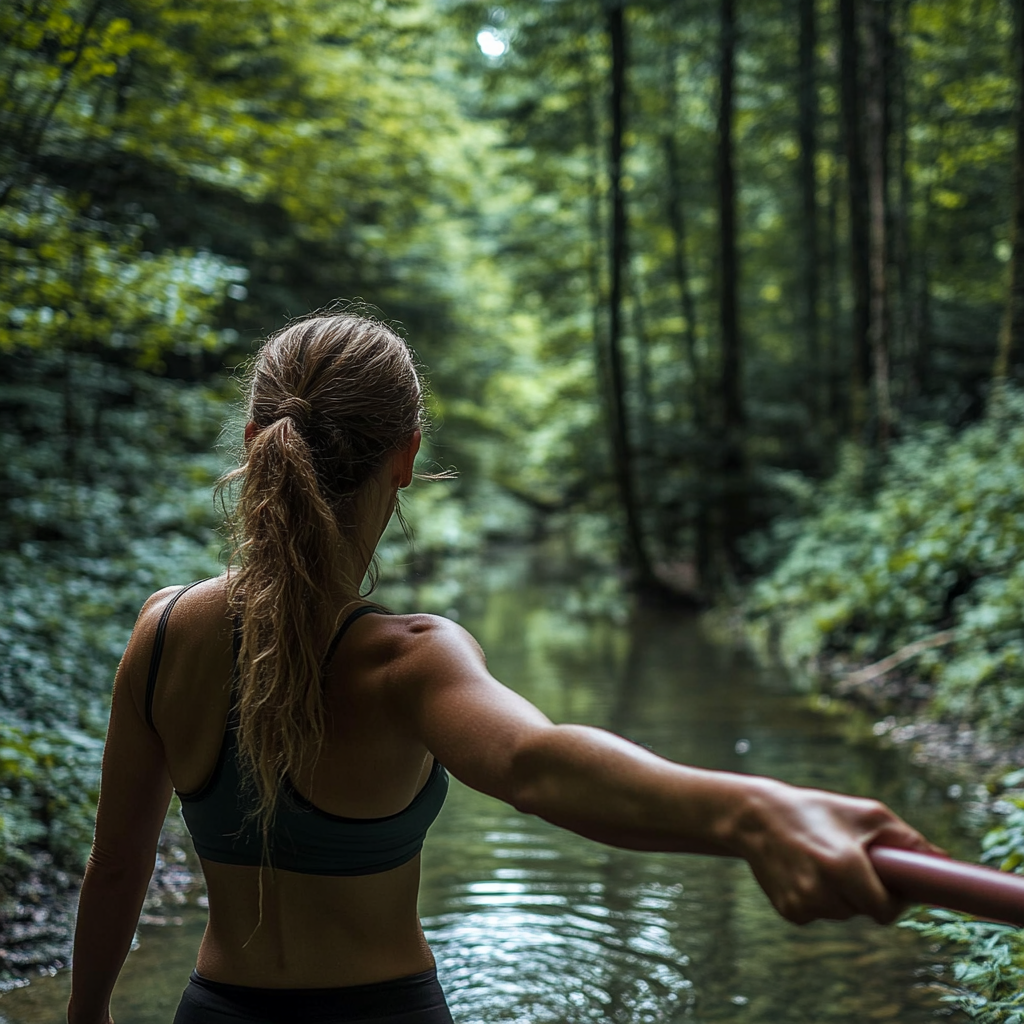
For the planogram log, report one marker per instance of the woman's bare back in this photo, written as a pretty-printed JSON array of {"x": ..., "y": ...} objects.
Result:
[{"x": 316, "y": 930}]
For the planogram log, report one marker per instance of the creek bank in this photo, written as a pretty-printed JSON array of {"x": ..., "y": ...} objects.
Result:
[
  {"x": 37, "y": 916},
  {"x": 901, "y": 703}
]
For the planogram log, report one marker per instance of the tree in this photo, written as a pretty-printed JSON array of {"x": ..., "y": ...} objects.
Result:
[
  {"x": 810, "y": 255},
  {"x": 676, "y": 215},
  {"x": 1011, "y": 333},
  {"x": 877, "y": 124},
  {"x": 731, "y": 512},
  {"x": 618, "y": 255},
  {"x": 857, "y": 203}
]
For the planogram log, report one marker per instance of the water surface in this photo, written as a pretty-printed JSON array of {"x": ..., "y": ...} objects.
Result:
[{"x": 535, "y": 925}]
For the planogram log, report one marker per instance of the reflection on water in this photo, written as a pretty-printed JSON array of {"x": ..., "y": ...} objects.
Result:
[
  {"x": 549, "y": 951},
  {"x": 535, "y": 925}
]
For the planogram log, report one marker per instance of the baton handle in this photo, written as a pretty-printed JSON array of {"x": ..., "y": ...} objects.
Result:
[{"x": 944, "y": 882}]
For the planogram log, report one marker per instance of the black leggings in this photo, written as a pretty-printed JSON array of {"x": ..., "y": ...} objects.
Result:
[{"x": 416, "y": 999}]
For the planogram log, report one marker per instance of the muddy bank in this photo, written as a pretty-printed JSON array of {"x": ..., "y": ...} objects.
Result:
[
  {"x": 37, "y": 911},
  {"x": 887, "y": 691},
  {"x": 36, "y": 922},
  {"x": 901, "y": 704}
]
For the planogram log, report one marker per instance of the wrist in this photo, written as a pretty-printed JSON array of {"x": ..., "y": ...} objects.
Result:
[{"x": 750, "y": 808}]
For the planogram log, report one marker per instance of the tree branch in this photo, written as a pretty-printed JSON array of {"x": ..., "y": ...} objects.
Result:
[{"x": 871, "y": 672}]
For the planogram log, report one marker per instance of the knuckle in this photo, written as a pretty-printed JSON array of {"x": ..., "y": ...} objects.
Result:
[
  {"x": 806, "y": 888},
  {"x": 849, "y": 864},
  {"x": 796, "y": 906},
  {"x": 877, "y": 812}
]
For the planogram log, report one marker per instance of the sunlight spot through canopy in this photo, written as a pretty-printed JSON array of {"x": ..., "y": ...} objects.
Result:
[{"x": 490, "y": 43}]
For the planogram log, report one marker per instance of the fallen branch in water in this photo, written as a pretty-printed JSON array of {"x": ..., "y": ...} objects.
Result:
[{"x": 879, "y": 668}]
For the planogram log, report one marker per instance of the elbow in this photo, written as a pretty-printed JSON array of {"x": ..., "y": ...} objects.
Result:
[
  {"x": 118, "y": 872},
  {"x": 533, "y": 777}
]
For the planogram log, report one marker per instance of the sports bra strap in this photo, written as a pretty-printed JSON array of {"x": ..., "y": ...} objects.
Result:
[
  {"x": 344, "y": 627},
  {"x": 158, "y": 650},
  {"x": 236, "y": 642}
]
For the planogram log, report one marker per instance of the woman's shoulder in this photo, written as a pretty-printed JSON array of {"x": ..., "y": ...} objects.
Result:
[
  {"x": 418, "y": 649},
  {"x": 194, "y": 609},
  {"x": 420, "y": 634},
  {"x": 187, "y": 600}
]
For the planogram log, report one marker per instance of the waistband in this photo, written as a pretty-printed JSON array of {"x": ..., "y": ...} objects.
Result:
[{"x": 414, "y": 992}]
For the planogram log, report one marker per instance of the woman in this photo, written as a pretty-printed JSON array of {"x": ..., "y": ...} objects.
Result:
[{"x": 305, "y": 729}]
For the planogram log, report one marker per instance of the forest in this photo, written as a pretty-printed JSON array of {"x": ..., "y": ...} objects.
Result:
[{"x": 723, "y": 298}]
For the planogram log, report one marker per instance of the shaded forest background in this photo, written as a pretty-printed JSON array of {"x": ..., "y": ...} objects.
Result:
[{"x": 726, "y": 294}]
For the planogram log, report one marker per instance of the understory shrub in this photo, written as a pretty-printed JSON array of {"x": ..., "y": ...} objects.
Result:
[
  {"x": 93, "y": 521},
  {"x": 934, "y": 546}
]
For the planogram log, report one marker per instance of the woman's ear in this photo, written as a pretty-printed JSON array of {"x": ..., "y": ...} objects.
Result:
[
  {"x": 406, "y": 458},
  {"x": 250, "y": 430}
]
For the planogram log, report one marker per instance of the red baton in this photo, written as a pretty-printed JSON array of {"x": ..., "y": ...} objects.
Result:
[{"x": 954, "y": 884}]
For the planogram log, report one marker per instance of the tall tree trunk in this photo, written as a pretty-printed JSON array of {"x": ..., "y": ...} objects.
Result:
[
  {"x": 857, "y": 190},
  {"x": 618, "y": 257},
  {"x": 595, "y": 255},
  {"x": 901, "y": 261},
  {"x": 704, "y": 540},
  {"x": 732, "y": 365},
  {"x": 731, "y": 514},
  {"x": 876, "y": 69},
  {"x": 1011, "y": 333},
  {"x": 920, "y": 310},
  {"x": 644, "y": 404},
  {"x": 681, "y": 272},
  {"x": 647, "y": 450},
  {"x": 675, "y": 210},
  {"x": 834, "y": 377},
  {"x": 808, "y": 125}
]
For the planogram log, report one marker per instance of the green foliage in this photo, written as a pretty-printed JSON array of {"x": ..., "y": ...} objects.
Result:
[
  {"x": 960, "y": 157},
  {"x": 71, "y": 279},
  {"x": 989, "y": 976},
  {"x": 49, "y": 781},
  {"x": 935, "y": 545},
  {"x": 94, "y": 520},
  {"x": 1004, "y": 844}
]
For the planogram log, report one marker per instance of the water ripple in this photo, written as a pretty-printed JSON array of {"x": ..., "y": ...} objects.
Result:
[{"x": 527, "y": 946}]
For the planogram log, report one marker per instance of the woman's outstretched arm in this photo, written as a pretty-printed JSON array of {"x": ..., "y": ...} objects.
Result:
[
  {"x": 135, "y": 790},
  {"x": 807, "y": 848}
]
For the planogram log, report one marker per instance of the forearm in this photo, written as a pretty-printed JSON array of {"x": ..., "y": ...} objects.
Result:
[
  {"x": 606, "y": 788},
  {"x": 807, "y": 848},
  {"x": 108, "y": 913}
]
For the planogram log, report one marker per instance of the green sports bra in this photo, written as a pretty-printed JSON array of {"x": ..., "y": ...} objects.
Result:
[{"x": 303, "y": 837}]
